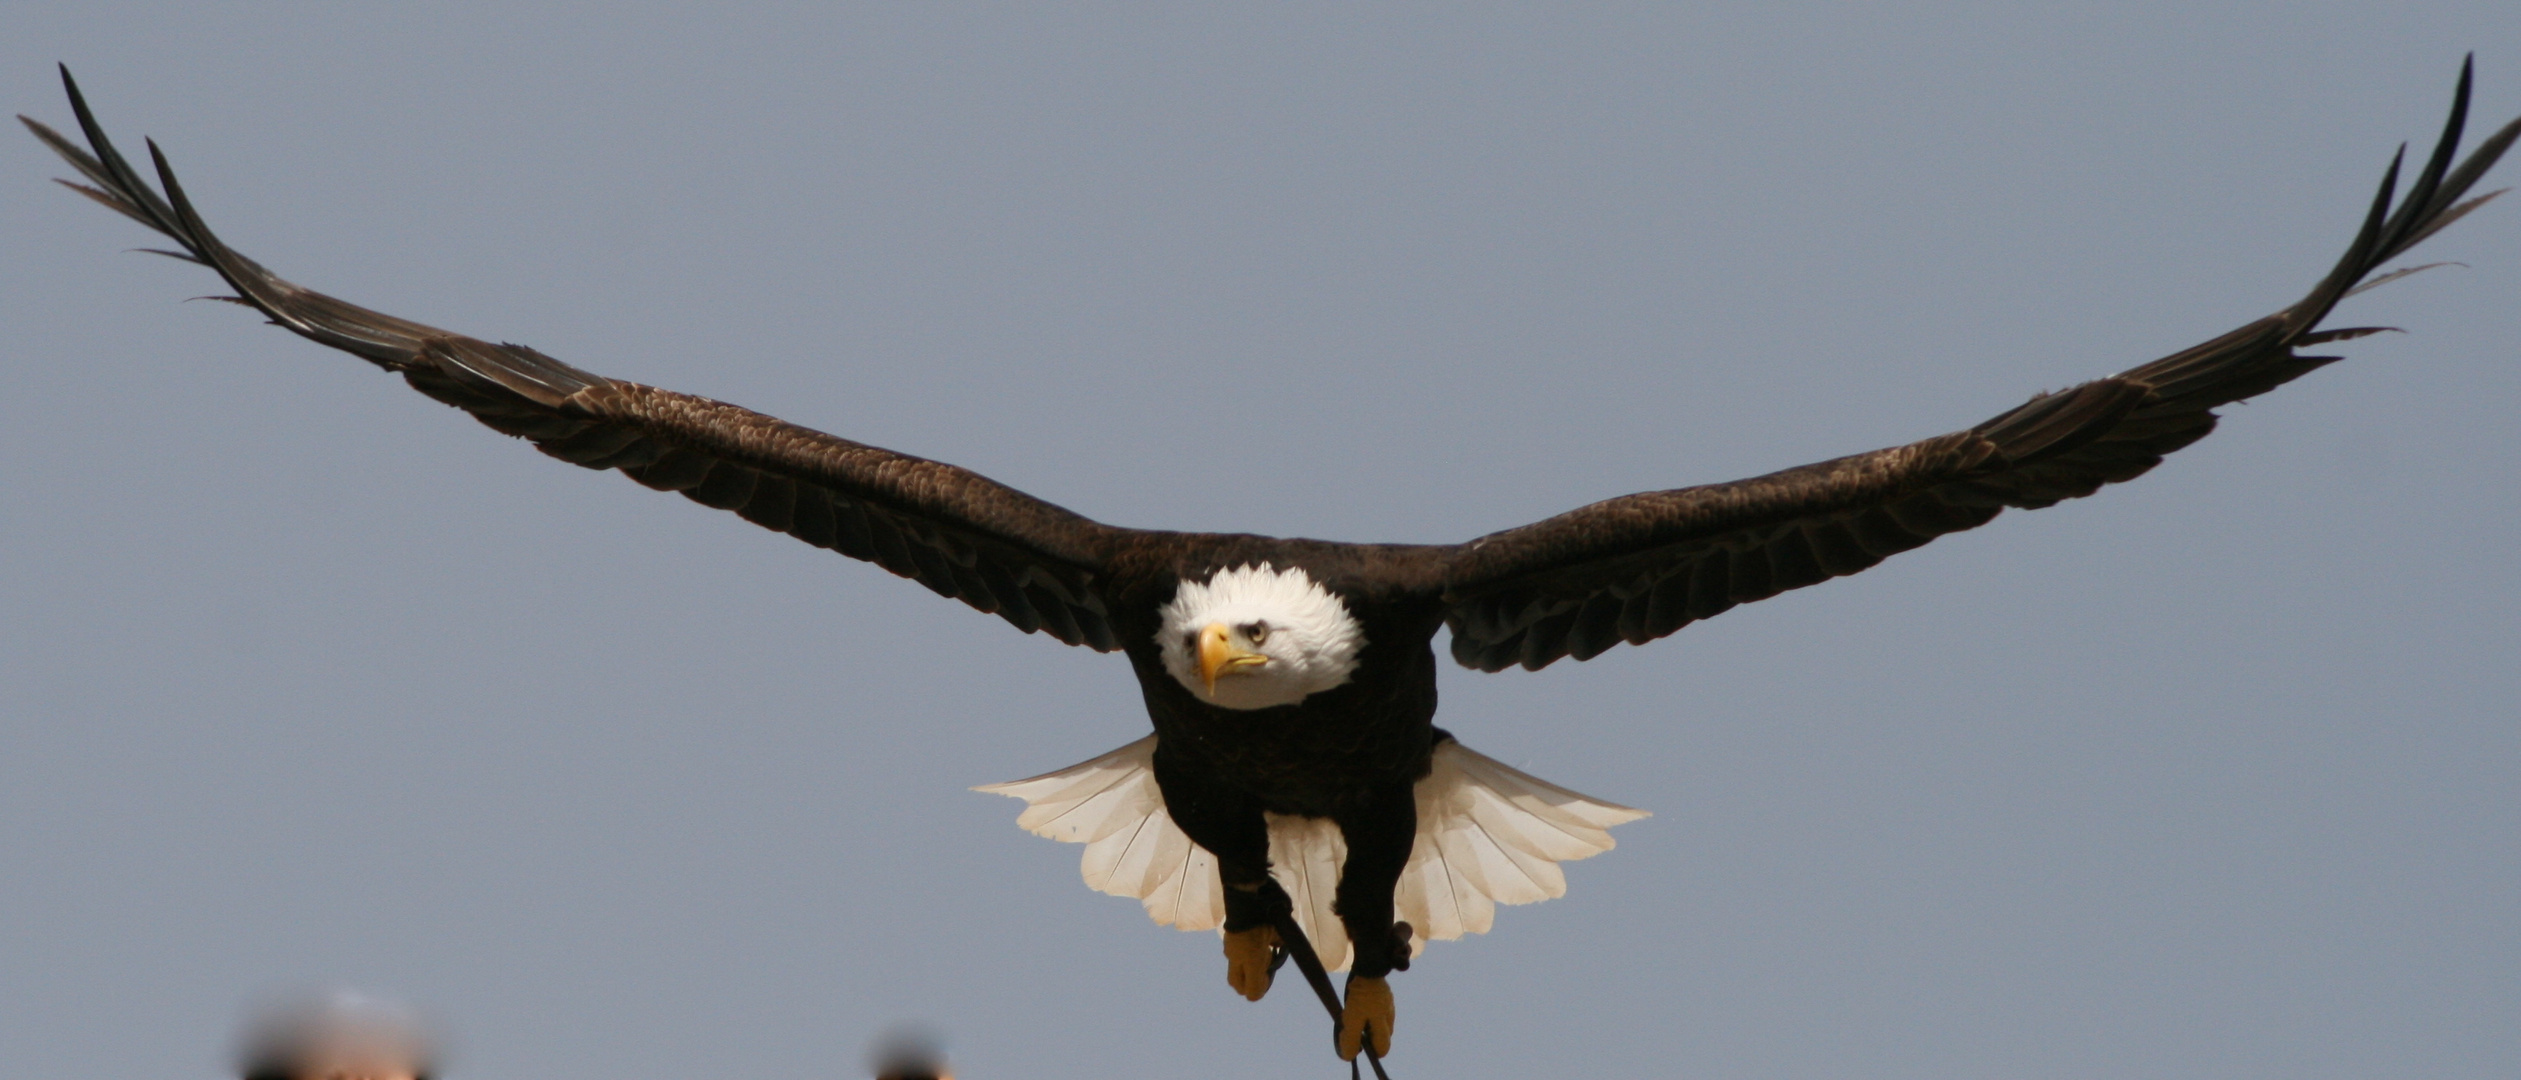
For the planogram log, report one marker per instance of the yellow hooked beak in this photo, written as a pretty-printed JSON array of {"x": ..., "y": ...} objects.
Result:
[{"x": 1219, "y": 655}]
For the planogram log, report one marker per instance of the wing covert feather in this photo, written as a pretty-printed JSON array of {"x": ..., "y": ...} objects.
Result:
[{"x": 1639, "y": 567}]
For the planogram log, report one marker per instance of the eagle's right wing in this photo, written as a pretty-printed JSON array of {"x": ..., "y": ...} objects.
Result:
[
  {"x": 959, "y": 533},
  {"x": 1638, "y": 567}
]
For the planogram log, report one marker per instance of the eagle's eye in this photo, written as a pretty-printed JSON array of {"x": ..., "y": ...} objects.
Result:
[{"x": 1256, "y": 633}]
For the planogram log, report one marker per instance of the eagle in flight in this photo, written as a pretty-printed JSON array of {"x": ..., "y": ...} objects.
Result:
[{"x": 1295, "y": 783}]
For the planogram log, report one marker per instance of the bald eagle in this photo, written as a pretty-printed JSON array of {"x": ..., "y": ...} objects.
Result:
[{"x": 1295, "y": 777}]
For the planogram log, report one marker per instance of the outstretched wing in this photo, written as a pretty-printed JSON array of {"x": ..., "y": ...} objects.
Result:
[
  {"x": 1639, "y": 567},
  {"x": 952, "y": 530}
]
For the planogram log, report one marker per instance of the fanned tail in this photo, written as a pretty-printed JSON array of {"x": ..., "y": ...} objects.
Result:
[{"x": 1488, "y": 834}]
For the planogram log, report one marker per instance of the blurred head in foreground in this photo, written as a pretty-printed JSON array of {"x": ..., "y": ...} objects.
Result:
[
  {"x": 909, "y": 1054},
  {"x": 340, "y": 1036}
]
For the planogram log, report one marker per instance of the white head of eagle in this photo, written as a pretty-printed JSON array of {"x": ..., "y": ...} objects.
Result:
[{"x": 1253, "y": 637}]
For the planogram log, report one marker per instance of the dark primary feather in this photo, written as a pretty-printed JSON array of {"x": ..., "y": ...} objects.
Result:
[
  {"x": 1639, "y": 567},
  {"x": 964, "y": 536}
]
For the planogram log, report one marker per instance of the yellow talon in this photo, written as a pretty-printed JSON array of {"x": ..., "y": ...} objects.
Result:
[
  {"x": 1248, "y": 954},
  {"x": 1369, "y": 1010}
]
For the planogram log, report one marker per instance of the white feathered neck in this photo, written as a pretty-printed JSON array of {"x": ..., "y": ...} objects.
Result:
[{"x": 1309, "y": 636}]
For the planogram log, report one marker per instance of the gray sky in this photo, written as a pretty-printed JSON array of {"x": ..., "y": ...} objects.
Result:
[{"x": 308, "y": 681}]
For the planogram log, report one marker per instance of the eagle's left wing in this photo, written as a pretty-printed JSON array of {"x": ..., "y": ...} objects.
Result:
[
  {"x": 967, "y": 537},
  {"x": 1638, "y": 567}
]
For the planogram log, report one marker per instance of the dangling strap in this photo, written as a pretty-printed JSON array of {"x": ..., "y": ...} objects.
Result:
[{"x": 1300, "y": 949}]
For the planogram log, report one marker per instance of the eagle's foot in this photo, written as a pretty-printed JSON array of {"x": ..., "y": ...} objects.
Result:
[
  {"x": 1367, "y": 1019},
  {"x": 1251, "y": 958}
]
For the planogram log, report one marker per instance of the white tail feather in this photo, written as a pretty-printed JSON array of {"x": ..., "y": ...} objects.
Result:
[
  {"x": 1305, "y": 855},
  {"x": 1488, "y": 834},
  {"x": 1132, "y": 848}
]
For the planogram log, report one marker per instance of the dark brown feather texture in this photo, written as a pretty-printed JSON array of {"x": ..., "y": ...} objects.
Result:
[
  {"x": 1630, "y": 569},
  {"x": 954, "y": 531},
  {"x": 1641, "y": 566}
]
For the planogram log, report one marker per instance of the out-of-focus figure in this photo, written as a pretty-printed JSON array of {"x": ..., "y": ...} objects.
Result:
[
  {"x": 341, "y": 1036},
  {"x": 909, "y": 1054}
]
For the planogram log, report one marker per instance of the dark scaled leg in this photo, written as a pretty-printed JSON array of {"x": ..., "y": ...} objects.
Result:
[
  {"x": 1230, "y": 825},
  {"x": 1379, "y": 838}
]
